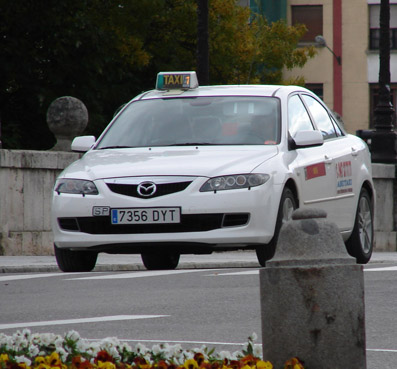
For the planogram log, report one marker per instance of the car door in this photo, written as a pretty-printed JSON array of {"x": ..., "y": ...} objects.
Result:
[
  {"x": 341, "y": 165},
  {"x": 313, "y": 168}
]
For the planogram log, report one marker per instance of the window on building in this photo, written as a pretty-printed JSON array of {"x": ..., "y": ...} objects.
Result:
[
  {"x": 311, "y": 16},
  {"x": 317, "y": 88},
  {"x": 374, "y": 98},
  {"x": 374, "y": 28}
]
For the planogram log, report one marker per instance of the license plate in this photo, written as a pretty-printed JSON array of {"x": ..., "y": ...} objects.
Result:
[{"x": 146, "y": 215}]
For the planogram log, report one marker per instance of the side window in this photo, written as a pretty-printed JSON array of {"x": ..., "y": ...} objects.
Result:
[
  {"x": 337, "y": 128},
  {"x": 321, "y": 117},
  {"x": 298, "y": 118}
]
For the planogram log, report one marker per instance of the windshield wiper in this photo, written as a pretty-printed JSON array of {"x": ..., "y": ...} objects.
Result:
[
  {"x": 115, "y": 147},
  {"x": 193, "y": 144}
]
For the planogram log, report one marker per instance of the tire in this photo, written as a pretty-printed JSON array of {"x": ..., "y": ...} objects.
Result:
[
  {"x": 75, "y": 261},
  {"x": 158, "y": 261},
  {"x": 361, "y": 242},
  {"x": 287, "y": 205}
]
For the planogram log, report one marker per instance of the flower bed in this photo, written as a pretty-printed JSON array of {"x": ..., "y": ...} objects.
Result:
[{"x": 25, "y": 350}]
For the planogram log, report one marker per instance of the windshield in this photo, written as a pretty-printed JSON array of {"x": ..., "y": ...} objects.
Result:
[{"x": 218, "y": 120}]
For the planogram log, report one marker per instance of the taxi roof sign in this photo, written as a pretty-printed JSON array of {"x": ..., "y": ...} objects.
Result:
[{"x": 176, "y": 81}]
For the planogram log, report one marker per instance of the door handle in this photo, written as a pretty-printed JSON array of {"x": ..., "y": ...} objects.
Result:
[
  {"x": 354, "y": 151},
  {"x": 327, "y": 159}
]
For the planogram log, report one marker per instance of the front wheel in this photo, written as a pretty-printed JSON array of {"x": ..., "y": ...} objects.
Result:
[
  {"x": 361, "y": 242},
  {"x": 158, "y": 261},
  {"x": 75, "y": 261},
  {"x": 287, "y": 206}
]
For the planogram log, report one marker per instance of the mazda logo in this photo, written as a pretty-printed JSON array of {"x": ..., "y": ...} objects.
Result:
[{"x": 146, "y": 189}]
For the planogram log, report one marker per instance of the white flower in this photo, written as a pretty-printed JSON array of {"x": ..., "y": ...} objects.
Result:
[
  {"x": 257, "y": 350},
  {"x": 156, "y": 349},
  {"x": 147, "y": 357},
  {"x": 235, "y": 355},
  {"x": 46, "y": 339},
  {"x": 58, "y": 341},
  {"x": 23, "y": 360},
  {"x": 224, "y": 355},
  {"x": 62, "y": 353},
  {"x": 253, "y": 337},
  {"x": 73, "y": 335},
  {"x": 140, "y": 348},
  {"x": 33, "y": 350},
  {"x": 175, "y": 350}
]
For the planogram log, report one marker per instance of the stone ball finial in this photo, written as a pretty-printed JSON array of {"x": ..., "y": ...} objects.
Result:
[{"x": 67, "y": 117}]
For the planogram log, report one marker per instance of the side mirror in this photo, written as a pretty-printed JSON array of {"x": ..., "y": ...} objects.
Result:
[
  {"x": 83, "y": 143},
  {"x": 304, "y": 139}
]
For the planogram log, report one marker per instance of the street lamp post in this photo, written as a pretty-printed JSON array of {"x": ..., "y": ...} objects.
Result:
[
  {"x": 384, "y": 137},
  {"x": 202, "y": 42}
]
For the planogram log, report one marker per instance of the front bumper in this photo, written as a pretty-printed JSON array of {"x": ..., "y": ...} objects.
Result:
[{"x": 221, "y": 220}]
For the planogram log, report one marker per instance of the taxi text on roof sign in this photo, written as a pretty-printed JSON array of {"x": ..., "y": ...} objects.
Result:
[{"x": 176, "y": 80}]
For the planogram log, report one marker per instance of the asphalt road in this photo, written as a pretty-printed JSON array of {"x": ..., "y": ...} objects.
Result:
[{"x": 215, "y": 307}]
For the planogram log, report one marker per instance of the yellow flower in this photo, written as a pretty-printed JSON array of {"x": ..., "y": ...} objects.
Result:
[
  {"x": 39, "y": 360},
  {"x": 293, "y": 363},
  {"x": 53, "y": 360},
  {"x": 264, "y": 365},
  {"x": 22, "y": 366},
  {"x": 191, "y": 364},
  {"x": 4, "y": 358},
  {"x": 106, "y": 365},
  {"x": 246, "y": 367},
  {"x": 42, "y": 366}
]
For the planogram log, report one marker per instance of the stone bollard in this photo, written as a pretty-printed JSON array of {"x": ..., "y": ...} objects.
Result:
[
  {"x": 67, "y": 118},
  {"x": 312, "y": 297}
]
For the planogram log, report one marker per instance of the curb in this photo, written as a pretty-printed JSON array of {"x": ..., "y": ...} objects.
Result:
[{"x": 126, "y": 267}]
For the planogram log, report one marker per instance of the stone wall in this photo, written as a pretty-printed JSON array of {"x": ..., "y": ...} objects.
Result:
[
  {"x": 384, "y": 176},
  {"x": 27, "y": 179},
  {"x": 26, "y": 182}
]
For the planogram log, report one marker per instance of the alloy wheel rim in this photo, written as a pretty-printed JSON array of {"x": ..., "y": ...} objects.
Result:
[
  {"x": 288, "y": 209},
  {"x": 365, "y": 224}
]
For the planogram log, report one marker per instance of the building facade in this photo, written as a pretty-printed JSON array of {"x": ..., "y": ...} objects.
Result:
[{"x": 345, "y": 70}]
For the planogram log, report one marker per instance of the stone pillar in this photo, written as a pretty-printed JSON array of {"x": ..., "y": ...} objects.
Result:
[
  {"x": 67, "y": 118},
  {"x": 312, "y": 297}
]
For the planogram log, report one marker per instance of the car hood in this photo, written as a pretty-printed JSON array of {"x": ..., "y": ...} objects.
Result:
[{"x": 192, "y": 161}]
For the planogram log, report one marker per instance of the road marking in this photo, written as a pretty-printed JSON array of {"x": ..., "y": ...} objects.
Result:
[
  {"x": 148, "y": 273},
  {"x": 79, "y": 321},
  {"x": 180, "y": 342},
  {"x": 256, "y": 271},
  {"x": 246, "y": 272},
  {"x": 384, "y": 269},
  {"x": 30, "y": 276}
]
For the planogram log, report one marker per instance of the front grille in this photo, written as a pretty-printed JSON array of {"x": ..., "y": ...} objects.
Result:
[
  {"x": 162, "y": 189},
  {"x": 189, "y": 223}
]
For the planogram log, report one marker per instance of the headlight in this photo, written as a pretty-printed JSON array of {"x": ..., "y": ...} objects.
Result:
[
  {"x": 234, "y": 182},
  {"x": 76, "y": 186}
]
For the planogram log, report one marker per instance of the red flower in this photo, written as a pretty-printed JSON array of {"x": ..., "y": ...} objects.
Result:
[
  {"x": 78, "y": 363},
  {"x": 104, "y": 356}
]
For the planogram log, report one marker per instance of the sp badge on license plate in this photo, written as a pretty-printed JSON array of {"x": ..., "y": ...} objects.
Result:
[{"x": 146, "y": 215}]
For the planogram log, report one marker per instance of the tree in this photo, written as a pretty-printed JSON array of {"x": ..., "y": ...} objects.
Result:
[
  {"x": 104, "y": 52},
  {"x": 50, "y": 49},
  {"x": 245, "y": 48}
]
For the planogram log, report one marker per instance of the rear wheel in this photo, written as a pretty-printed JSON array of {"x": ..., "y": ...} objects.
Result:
[
  {"x": 163, "y": 260},
  {"x": 287, "y": 206},
  {"x": 360, "y": 244},
  {"x": 75, "y": 261}
]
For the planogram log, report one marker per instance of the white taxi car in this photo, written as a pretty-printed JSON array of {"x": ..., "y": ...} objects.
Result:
[{"x": 188, "y": 169}]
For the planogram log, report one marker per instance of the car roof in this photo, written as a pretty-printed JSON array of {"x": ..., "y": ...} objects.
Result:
[{"x": 225, "y": 90}]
